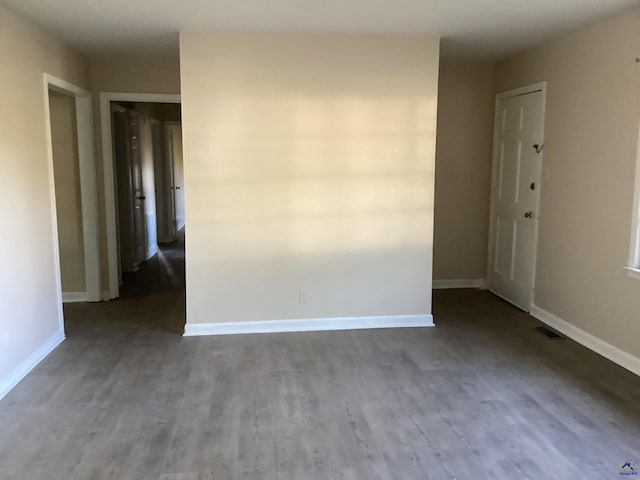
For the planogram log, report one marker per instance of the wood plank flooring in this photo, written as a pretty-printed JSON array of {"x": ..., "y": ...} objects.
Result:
[{"x": 481, "y": 396}]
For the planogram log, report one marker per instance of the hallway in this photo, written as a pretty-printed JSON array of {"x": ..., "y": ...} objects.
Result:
[{"x": 153, "y": 298}]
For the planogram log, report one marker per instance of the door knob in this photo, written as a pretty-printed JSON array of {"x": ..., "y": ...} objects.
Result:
[{"x": 528, "y": 215}]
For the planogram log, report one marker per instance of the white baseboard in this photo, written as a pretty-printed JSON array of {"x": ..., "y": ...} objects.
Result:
[
  {"x": 599, "y": 346},
  {"x": 106, "y": 295},
  {"x": 6, "y": 384},
  {"x": 459, "y": 283},
  {"x": 74, "y": 297},
  {"x": 307, "y": 325}
]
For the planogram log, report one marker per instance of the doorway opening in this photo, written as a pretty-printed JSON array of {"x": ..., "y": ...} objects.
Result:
[
  {"x": 66, "y": 171},
  {"x": 145, "y": 104},
  {"x": 73, "y": 190},
  {"x": 148, "y": 194}
]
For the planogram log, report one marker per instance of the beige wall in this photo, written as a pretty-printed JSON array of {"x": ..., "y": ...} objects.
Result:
[
  {"x": 593, "y": 108},
  {"x": 135, "y": 75},
  {"x": 67, "y": 185},
  {"x": 309, "y": 165},
  {"x": 29, "y": 306},
  {"x": 463, "y": 170}
]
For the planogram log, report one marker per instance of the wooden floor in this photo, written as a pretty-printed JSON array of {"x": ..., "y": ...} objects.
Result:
[{"x": 481, "y": 396}]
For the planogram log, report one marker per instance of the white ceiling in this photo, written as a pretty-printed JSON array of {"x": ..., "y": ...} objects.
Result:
[{"x": 488, "y": 29}]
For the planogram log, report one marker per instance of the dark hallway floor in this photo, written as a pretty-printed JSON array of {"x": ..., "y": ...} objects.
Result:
[
  {"x": 153, "y": 298},
  {"x": 481, "y": 396}
]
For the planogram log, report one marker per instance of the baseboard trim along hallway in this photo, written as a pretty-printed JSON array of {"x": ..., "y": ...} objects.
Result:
[
  {"x": 460, "y": 283},
  {"x": 622, "y": 358},
  {"x": 308, "y": 325},
  {"x": 21, "y": 371},
  {"x": 74, "y": 297}
]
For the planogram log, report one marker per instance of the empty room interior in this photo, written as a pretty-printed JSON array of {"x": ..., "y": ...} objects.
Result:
[{"x": 320, "y": 240}]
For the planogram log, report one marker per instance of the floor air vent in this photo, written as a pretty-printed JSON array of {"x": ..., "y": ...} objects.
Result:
[{"x": 547, "y": 332}]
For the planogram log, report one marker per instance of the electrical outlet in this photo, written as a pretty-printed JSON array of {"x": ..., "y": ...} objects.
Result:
[{"x": 302, "y": 296}]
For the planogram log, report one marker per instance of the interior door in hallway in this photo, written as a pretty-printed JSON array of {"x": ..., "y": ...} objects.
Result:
[
  {"x": 132, "y": 232},
  {"x": 178, "y": 175},
  {"x": 139, "y": 219},
  {"x": 515, "y": 194}
]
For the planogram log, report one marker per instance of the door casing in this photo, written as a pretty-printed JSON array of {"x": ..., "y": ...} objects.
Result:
[{"x": 88, "y": 185}]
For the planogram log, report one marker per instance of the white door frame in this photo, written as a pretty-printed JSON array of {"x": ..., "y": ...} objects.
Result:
[
  {"x": 633, "y": 265},
  {"x": 88, "y": 184},
  {"x": 109, "y": 181},
  {"x": 536, "y": 87}
]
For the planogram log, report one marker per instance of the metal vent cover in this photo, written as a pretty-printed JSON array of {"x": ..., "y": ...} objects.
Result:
[{"x": 550, "y": 333}]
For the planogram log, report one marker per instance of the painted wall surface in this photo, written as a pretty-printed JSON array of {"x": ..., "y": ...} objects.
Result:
[
  {"x": 309, "y": 171},
  {"x": 593, "y": 111},
  {"x": 135, "y": 75},
  {"x": 463, "y": 170},
  {"x": 30, "y": 300},
  {"x": 64, "y": 141}
]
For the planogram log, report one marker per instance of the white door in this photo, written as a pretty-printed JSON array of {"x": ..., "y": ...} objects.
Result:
[
  {"x": 170, "y": 219},
  {"x": 131, "y": 218},
  {"x": 138, "y": 197},
  {"x": 515, "y": 194},
  {"x": 178, "y": 176}
]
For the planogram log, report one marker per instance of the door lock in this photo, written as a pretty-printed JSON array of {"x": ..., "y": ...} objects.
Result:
[{"x": 528, "y": 215}]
